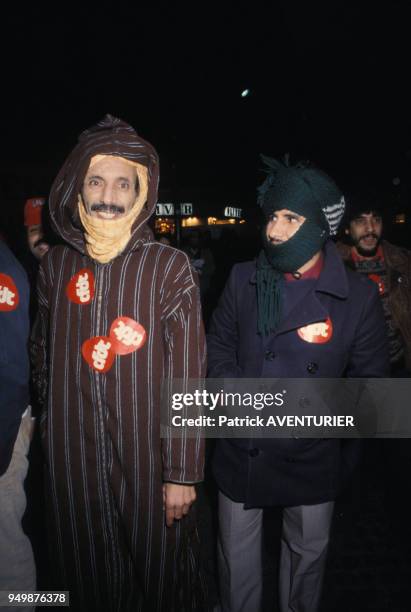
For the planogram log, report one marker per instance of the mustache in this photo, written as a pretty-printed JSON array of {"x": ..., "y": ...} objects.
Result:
[
  {"x": 110, "y": 208},
  {"x": 370, "y": 235}
]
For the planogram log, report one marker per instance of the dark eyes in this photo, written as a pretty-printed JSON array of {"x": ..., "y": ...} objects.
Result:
[
  {"x": 363, "y": 221},
  {"x": 124, "y": 185},
  {"x": 289, "y": 218}
]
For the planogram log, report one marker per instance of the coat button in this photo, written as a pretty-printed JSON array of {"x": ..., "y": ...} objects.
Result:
[
  {"x": 254, "y": 452},
  {"x": 270, "y": 355},
  {"x": 312, "y": 367}
]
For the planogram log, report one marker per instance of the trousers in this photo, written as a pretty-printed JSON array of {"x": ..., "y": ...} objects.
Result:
[
  {"x": 304, "y": 543},
  {"x": 17, "y": 569}
]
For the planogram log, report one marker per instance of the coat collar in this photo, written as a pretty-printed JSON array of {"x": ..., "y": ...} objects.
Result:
[
  {"x": 332, "y": 281},
  {"x": 333, "y": 278}
]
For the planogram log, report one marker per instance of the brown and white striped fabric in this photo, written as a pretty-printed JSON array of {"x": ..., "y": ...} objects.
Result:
[{"x": 106, "y": 463}]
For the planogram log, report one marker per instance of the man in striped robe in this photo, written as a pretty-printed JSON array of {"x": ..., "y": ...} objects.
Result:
[{"x": 118, "y": 314}]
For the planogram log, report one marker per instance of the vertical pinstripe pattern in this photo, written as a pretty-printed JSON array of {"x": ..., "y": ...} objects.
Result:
[{"x": 105, "y": 460}]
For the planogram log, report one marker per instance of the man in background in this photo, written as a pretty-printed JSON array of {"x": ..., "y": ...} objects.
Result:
[
  {"x": 388, "y": 266},
  {"x": 34, "y": 226}
]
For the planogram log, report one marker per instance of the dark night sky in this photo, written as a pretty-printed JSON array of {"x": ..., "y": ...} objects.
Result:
[{"x": 329, "y": 81}]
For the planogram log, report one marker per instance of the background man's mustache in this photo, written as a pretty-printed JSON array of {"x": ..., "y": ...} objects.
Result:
[{"x": 111, "y": 208}]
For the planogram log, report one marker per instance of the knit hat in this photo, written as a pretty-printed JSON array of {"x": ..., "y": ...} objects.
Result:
[{"x": 307, "y": 191}]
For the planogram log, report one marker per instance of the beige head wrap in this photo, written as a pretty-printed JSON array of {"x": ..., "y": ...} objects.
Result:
[{"x": 107, "y": 238}]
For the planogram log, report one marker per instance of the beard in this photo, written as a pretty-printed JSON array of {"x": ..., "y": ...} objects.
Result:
[
  {"x": 109, "y": 208},
  {"x": 367, "y": 252}
]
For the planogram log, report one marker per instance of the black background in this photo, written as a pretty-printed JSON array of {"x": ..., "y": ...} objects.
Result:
[{"x": 328, "y": 81}]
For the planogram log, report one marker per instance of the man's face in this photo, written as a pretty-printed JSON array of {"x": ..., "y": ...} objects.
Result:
[
  {"x": 365, "y": 232},
  {"x": 109, "y": 188},
  {"x": 35, "y": 241},
  {"x": 282, "y": 225}
]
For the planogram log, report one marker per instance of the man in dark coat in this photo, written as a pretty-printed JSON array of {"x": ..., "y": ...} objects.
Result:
[
  {"x": 17, "y": 569},
  {"x": 294, "y": 313},
  {"x": 118, "y": 314}
]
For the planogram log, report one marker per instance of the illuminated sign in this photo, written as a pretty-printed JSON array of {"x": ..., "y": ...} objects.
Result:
[
  {"x": 186, "y": 209},
  {"x": 230, "y": 211},
  {"x": 167, "y": 209}
]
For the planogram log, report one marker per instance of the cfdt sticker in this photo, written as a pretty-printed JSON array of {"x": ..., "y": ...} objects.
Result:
[
  {"x": 80, "y": 288},
  {"x": 98, "y": 353},
  {"x": 9, "y": 295},
  {"x": 317, "y": 333},
  {"x": 126, "y": 335}
]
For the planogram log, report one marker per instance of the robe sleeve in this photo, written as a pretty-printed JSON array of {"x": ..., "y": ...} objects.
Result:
[
  {"x": 39, "y": 340},
  {"x": 185, "y": 358}
]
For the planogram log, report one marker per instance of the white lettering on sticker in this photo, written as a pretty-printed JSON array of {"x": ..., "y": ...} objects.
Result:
[
  {"x": 6, "y": 296},
  {"x": 127, "y": 335},
  {"x": 83, "y": 288},
  {"x": 100, "y": 354}
]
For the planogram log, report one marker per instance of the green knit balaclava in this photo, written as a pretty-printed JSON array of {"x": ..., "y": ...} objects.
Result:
[{"x": 307, "y": 191}]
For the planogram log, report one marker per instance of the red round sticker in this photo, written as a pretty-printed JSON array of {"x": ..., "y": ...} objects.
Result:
[
  {"x": 9, "y": 295},
  {"x": 377, "y": 279},
  {"x": 80, "y": 288},
  {"x": 98, "y": 353},
  {"x": 317, "y": 333},
  {"x": 126, "y": 335}
]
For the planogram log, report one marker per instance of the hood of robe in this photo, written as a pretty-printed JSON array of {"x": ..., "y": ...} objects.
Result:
[{"x": 111, "y": 136}]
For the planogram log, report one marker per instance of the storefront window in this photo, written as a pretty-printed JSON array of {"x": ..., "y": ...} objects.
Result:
[{"x": 164, "y": 225}]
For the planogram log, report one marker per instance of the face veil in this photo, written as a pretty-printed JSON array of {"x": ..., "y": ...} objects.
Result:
[{"x": 105, "y": 239}]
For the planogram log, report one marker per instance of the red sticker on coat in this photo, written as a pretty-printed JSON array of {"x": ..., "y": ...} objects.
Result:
[
  {"x": 98, "y": 353},
  {"x": 80, "y": 289},
  {"x": 9, "y": 295},
  {"x": 126, "y": 335},
  {"x": 377, "y": 279},
  {"x": 317, "y": 333}
]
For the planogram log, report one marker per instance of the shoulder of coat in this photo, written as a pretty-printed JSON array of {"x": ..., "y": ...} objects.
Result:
[
  {"x": 343, "y": 249},
  {"x": 396, "y": 257}
]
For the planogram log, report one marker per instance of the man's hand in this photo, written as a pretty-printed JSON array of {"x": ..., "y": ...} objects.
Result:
[{"x": 177, "y": 499}]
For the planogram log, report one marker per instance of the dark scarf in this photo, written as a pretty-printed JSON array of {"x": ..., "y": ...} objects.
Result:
[{"x": 273, "y": 261}]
